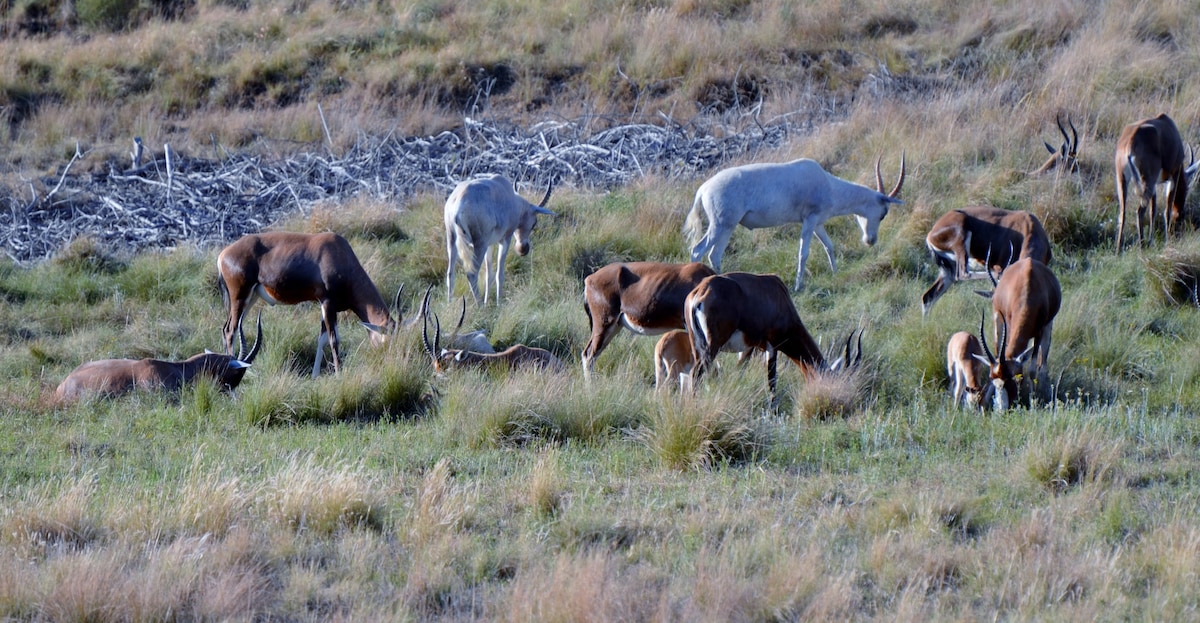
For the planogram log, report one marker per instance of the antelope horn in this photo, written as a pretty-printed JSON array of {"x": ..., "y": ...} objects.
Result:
[
  {"x": 983, "y": 337},
  {"x": 549, "y": 188},
  {"x": 461, "y": 316},
  {"x": 1003, "y": 338},
  {"x": 429, "y": 349},
  {"x": 1074, "y": 136},
  {"x": 895, "y": 194},
  {"x": 858, "y": 358},
  {"x": 396, "y": 305},
  {"x": 425, "y": 301},
  {"x": 257, "y": 343}
]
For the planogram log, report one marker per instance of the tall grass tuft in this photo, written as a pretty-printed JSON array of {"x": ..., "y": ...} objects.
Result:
[
  {"x": 49, "y": 519},
  {"x": 1071, "y": 460},
  {"x": 832, "y": 394},
  {"x": 1174, "y": 274},
  {"x": 308, "y": 496},
  {"x": 687, "y": 432}
]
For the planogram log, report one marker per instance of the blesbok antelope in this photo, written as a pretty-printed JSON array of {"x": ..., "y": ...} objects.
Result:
[
  {"x": 518, "y": 356},
  {"x": 644, "y": 297},
  {"x": 289, "y": 268},
  {"x": 774, "y": 194},
  {"x": 1026, "y": 300},
  {"x": 967, "y": 372},
  {"x": 475, "y": 341},
  {"x": 985, "y": 234},
  {"x": 113, "y": 377},
  {"x": 480, "y": 213},
  {"x": 1065, "y": 157},
  {"x": 1150, "y": 152},
  {"x": 739, "y": 312},
  {"x": 673, "y": 360}
]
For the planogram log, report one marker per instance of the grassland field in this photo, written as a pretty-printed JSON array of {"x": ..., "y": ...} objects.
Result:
[{"x": 386, "y": 493}]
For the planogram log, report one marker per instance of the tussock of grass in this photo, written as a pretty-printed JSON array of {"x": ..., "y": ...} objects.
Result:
[
  {"x": 310, "y": 497},
  {"x": 1072, "y": 460},
  {"x": 829, "y": 395},
  {"x": 687, "y": 432},
  {"x": 545, "y": 495},
  {"x": 1174, "y": 275},
  {"x": 442, "y": 506},
  {"x": 48, "y": 519}
]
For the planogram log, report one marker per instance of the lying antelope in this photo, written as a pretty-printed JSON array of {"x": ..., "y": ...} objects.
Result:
[
  {"x": 739, "y": 312},
  {"x": 673, "y": 360},
  {"x": 770, "y": 195},
  {"x": 514, "y": 357},
  {"x": 644, "y": 297},
  {"x": 482, "y": 213},
  {"x": 986, "y": 235},
  {"x": 113, "y": 377},
  {"x": 1150, "y": 152},
  {"x": 475, "y": 341},
  {"x": 965, "y": 367},
  {"x": 1026, "y": 300},
  {"x": 1066, "y": 155},
  {"x": 290, "y": 268}
]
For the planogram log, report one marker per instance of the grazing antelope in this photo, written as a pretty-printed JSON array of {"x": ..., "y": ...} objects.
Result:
[
  {"x": 513, "y": 357},
  {"x": 290, "y": 268},
  {"x": 1066, "y": 155},
  {"x": 483, "y": 212},
  {"x": 1150, "y": 152},
  {"x": 113, "y": 377},
  {"x": 985, "y": 234},
  {"x": 1026, "y": 300},
  {"x": 965, "y": 367},
  {"x": 673, "y": 360},
  {"x": 770, "y": 194},
  {"x": 739, "y": 312},
  {"x": 644, "y": 297}
]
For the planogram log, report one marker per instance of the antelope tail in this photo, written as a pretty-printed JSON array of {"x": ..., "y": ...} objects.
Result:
[
  {"x": 465, "y": 247},
  {"x": 692, "y": 226}
]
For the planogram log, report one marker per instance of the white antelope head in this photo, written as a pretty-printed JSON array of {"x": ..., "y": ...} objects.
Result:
[{"x": 289, "y": 268}]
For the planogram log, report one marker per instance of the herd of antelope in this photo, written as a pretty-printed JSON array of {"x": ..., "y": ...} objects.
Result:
[{"x": 697, "y": 310}]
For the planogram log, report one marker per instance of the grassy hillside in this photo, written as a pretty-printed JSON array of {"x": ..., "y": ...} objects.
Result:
[{"x": 384, "y": 493}]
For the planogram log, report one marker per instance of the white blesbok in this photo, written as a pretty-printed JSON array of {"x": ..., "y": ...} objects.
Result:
[
  {"x": 113, "y": 377},
  {"x": 644, "y": 297},
  {"x": 967, "y": 372},
  {"x": 1150, "y": 152},
  {"x": 480, "y": 213},
  {"x": 1024, "y": 303},
  {"x": 1066, "y": 156},
  {"x": 290, "y": 268},
  {"x": 774, "y": 194},
  {"x": 518, "y": 356},
  {"x": 739, "y": 312},
  {"x": 985, "y": 235}
]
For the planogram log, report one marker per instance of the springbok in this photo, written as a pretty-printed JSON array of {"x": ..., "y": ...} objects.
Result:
[
  {"x": 518, "y": 356},
  {"x": 113, "y": 377},
  {"x": 1066, "y": 155},
  {"x": 483, "y": 212},
  {"x": 644, "y": 297},
  {"x": 986, "y": 235},
  {"x": 673, "y": 360},
  {"x": 1026, "y": 300},
  {"x": 290, "y": 268},
  {"x": 773, "y": 194},
  {"x": 1150, "y": 152},
  {"x": 739, "y": 312},
  {"x": 965, "y": 367}
]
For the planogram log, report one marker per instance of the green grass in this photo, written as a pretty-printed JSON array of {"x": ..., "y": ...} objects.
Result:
[{"x": 386, "y": 492}]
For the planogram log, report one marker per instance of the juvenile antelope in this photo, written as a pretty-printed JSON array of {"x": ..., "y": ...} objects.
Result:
[
  {"x": 482, "y": 213},
  {"x": 290, "y": 268},
  {"x": 1026, "y": 300},
  {"x": 771, "y": 194},
  {"x": 673, "y": 360},
  {"x": 644, "y": 297},
  {"x": 739, "y": 312},
  {"x": 1150, "y": 152},
  {"x": 966, "y": 369},
  {"x": 1066, "y": 155},
  {"x": 514, "y": 357},
  {"x": 113, "y": 377},
  {"x": 986, "y": 235}
]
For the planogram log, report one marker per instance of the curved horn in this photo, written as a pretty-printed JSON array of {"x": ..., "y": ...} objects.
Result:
[
  {"x": 461, "y": 316},
  {"x": 396, "y": 306},
  {"x": 983, "y": 337},
  {"x": 549, "y": 189},
  {"x": 1003, "y": 338},
  {"x": 425, "y": 301},
  {"x": 1074, "y": 136},
  {"x": 1066, "y": 138},
  {"x": 858, "y": 358},
  {"x": 257, "y": 343},
  {"x": 895, "y": 194},
  {"x": 429, "y": 349}
]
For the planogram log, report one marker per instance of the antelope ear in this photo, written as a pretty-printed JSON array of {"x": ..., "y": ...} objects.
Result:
[
  {"x": 460, "y": 355},
  {"x": 1020, "y": 359},
  {"x": 238, "y": 364},
  {"x": 1050, "y": 149},
  {"x": 541, "y": 210},
  {"x": 984, "y": 293},
  {"x": 983, "y": 359},
  {"x": 374, "y": 328},
  {"x": 208, "y": 352}
]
